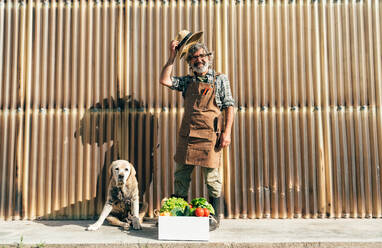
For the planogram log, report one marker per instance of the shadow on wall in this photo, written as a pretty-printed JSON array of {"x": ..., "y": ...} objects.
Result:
[{"x": 111, "y": 129}]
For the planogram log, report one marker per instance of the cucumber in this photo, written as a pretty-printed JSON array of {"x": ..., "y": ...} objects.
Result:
[{"x": 187, "y": 211}]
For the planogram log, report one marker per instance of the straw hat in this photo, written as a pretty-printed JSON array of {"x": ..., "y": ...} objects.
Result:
[
  {"x": 186, "y": 48},
  {"x": 185, "y": 37}
]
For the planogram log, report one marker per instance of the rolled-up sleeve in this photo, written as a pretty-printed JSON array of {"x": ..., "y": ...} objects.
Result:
[
  {"x": 226, "y": 94},
  {"x": 178, "y": 83}
]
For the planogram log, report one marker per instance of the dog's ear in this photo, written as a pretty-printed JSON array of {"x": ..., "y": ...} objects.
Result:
[
  {"x": 111, "y": 167},
  {"x": 132, "y": 171}
]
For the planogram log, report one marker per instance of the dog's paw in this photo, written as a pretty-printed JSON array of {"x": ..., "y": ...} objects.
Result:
[
  {"x": 136, "y": 224},
  {"x": 126, "y": 226},
  {"x": 92, "y": 227}
]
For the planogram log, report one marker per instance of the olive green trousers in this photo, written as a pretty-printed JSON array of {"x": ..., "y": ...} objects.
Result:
[{"x": 182, "y": 180}]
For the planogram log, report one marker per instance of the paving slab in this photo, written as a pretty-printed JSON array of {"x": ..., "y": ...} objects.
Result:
[{"x": 232, "y": 233}]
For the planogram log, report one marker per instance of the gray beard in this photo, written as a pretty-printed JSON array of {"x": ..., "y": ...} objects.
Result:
[{"x": 200, "y": 70}]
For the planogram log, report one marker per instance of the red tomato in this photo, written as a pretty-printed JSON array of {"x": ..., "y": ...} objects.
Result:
[
  {"x": 165, "y": 213},
  {"x": 199, "y": 212},
  {"x": 206, "y": 212}
]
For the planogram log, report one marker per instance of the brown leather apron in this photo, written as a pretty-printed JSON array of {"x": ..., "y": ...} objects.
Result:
[{"x": 201, "y": 126}]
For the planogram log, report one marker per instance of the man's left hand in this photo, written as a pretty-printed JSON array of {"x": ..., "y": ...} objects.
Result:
[{"x": 225, "y": 139}]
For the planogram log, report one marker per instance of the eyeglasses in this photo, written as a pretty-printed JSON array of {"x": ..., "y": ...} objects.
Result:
[{"x": 202, "y": 56}]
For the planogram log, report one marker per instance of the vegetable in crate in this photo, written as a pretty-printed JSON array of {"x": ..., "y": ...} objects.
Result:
[
  {"x": 199, "y": 212},
  {"x": 202, "y": 212},
  {"x": 202, "y": 203},
  {"x": 175, "y": 206}
]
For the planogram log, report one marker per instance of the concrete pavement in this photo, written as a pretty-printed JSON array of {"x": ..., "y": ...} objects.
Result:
[{"x": 232, "y": 233}]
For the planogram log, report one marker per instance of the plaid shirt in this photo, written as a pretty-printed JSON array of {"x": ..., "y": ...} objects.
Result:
[{"x": 223, "y": 94}]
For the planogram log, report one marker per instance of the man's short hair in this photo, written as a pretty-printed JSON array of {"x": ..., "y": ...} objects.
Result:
[{"x": 194, "y": 48}]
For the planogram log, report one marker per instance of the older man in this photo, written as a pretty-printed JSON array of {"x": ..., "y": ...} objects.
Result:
[{"x": 203, "y": 132}]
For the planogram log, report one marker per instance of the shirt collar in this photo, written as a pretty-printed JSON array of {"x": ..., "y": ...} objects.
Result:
[{"x": 210, "y": 75}]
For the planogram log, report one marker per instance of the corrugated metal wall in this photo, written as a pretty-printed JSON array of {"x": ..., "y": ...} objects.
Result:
[{"x": 79, "y": 88}]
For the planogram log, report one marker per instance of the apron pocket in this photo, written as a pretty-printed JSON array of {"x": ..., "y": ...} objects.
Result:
[
  {"x": 202, "y": 134},
  {"x": 199, "y": 148},
  {"x": 200, "y": 122}
]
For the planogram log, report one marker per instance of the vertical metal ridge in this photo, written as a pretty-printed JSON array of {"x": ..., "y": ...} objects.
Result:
[
  {"x": 19, "y": 157},
  {"x": 3, "y": 169},
  {"x": 364, "y": 118},
  {"x": 302, "y": 119},
  {"x": 344, "y": 167},
  {"x": 66, "y": 140},
  {"x": 228, "y": 53},
  {"x": 362, "y": 54},
  {"x": 348, "y": 208},
  {"x": 325, "y": 103},
  {"x": 90, "y": 156},
  {"x": 310, "y": 128},
  {"x": 2, "y": 35},
  {"x": 6, "y": 171},
  {"x": 12, "y": 190},
  {"x": 233, "y": 174},
  {"x": 297, "y": 201},
  {"x": 127, "y": 44},
  {"x": 27, "y": 117},
  {"x": 15, "y": 61},
  {"x": 281, "y": 143},
  {"x": 264, "y": 116},
  {"x": 161, "y": 99},
  {"x": 257, "y": 155},
  {"x": 74, "y": 137},
  {"x": 42, "y": 113},
  {"x": 377, "y": 43},
  {"x": 317, "y": 89},
  {"x": 352, "y": 166},
  {"x": 334, "y": 101},
  {"x": 240, "y": 82},
  {"x": 221, "y": 50},
  {"x": 5, "y": 47},
  {"x": 366, "y": 162},
  {"x": 249, "y": 166},
  {"x": 4, "y": 63},
  {"x": 378, "y": 78},
  {"x": 371, "y": 96},
  {"x": 97, "y": 125},
  {"x": 272, "y": 137},
  {"x": 83, "y": 117},
  {"x": 286, "y": 115},
  {"x": 151, "y": 74},
  {"x": 35, "y": 77}
]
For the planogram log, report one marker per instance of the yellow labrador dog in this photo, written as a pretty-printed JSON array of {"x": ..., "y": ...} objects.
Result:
[{"x": 122, "y": 203}]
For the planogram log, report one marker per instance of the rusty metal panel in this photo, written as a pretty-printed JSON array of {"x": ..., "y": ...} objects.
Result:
[{"x": 79, "y": 88}]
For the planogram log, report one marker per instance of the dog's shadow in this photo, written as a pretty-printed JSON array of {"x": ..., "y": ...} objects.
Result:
[
  {"x": 112, "y": 129},
  {"x": 122, "y": 123},
  {"x": 58, "y": 223},
  {"x": 149, "y": 229}
]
